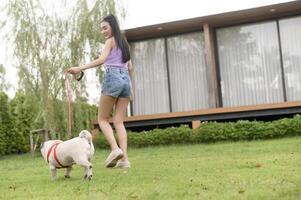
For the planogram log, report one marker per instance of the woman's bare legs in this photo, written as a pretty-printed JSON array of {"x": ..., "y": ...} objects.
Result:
[
  {"x": 105, "y": 107},
  {"x": 120, "y": 111}
]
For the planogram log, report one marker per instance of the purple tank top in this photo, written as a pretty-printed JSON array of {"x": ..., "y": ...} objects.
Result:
[{"x": 115, "y": 58}]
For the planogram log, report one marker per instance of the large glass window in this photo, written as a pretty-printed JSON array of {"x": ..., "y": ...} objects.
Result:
[
  {"x": 151, "y": 84},
  {"x": 188, "y": 75},
  {"x": 290, "y": 35},
  {"x": 249, "y": 63}
]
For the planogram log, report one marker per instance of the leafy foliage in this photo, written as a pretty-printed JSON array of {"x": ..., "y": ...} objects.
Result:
[
  {"x": 11, "y": 141},
  {"x": 210, "y": 132},
  {"x": 21, "y": 115},
  {"x": 45, "y": 44}
]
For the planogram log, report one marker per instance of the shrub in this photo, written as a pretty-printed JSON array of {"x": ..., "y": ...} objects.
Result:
[
  {"x": 212, "y": 132},
  {"x": 11, "y": 141}
]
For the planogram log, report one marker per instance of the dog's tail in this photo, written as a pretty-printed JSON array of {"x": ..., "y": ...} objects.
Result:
[{"x": 86, "y": 135}]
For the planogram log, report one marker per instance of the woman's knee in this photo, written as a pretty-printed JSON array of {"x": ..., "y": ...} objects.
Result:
[
  {"x": 103, "y": 120},
  {"x": 117, "y": 122}
]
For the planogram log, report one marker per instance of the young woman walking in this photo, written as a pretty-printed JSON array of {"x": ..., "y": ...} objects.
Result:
[{"x": 116, "y": 89}]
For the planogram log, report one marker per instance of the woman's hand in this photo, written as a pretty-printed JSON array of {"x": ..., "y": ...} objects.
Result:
[{"x": 74, "y": 70}]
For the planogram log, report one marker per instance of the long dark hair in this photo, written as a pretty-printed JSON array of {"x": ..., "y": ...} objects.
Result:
[{"x": 119, "y": 38}]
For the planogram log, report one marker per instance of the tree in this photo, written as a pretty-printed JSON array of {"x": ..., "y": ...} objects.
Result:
[
  {"x": 3, "y": 84},
  {"x": 45, "y": 44}
]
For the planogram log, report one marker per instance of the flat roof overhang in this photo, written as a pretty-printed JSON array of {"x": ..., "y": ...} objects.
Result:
[{"x": 218, "y": 20}]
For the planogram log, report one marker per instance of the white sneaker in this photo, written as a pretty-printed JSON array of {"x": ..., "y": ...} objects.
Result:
[
  {"x": 123, "y": 164},
  {"x": 113, "y": 157}
]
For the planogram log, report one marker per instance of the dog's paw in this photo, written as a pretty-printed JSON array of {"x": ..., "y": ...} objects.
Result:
[
  {"x": 67, "y": 176},
  {"x": 88, "y": 177}
]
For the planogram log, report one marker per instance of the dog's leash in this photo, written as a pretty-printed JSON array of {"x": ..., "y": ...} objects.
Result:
[{"x": 68, "y": 93}]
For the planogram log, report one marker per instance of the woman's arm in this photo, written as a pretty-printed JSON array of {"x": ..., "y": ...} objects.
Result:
[{"x": 99, "y": 61}]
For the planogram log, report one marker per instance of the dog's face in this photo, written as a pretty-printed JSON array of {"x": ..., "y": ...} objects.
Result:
[{"x": 85, "y": 134}]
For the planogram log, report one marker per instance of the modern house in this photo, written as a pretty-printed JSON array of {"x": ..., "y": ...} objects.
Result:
[{"x": 234, "y": 65}]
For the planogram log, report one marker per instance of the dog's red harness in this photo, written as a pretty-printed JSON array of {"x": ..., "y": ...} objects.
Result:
[{"x": 54, "y": 153}]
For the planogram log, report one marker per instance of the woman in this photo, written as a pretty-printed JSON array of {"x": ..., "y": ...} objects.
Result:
[{"x": 116, "y": 89}]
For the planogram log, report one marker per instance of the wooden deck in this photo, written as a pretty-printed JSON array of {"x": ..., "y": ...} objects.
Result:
[{"x": 195, "y": 117}]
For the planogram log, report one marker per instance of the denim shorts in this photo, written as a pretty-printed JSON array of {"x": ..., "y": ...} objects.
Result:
[{"x": 116, "y": 82}]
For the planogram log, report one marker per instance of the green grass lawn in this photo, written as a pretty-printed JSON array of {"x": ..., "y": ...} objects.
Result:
[{"x": 244, "y": 170}]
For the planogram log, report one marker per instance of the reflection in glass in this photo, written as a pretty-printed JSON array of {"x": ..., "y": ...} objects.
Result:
[
  {"x": 249, "y": 63},
  {"x": 187, "y": 67},
  {"x": 151, "y": 85},
  {"x": 290, "y": 35}
]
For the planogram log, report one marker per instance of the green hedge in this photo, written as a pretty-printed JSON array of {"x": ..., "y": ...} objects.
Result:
[
  {"x": 11, "y": 140},
  {"x": 23, "y": 113},
  {"x": 212, "y": 132}
]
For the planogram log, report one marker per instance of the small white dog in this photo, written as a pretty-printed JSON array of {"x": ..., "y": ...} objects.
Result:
[{"x": 61, "y": 154}]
